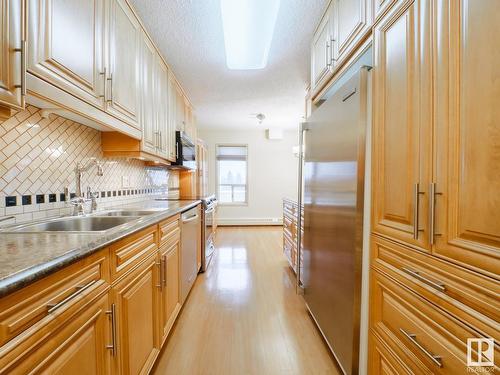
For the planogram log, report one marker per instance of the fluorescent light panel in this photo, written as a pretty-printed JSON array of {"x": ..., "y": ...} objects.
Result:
[{"x": 248, "y": 32}]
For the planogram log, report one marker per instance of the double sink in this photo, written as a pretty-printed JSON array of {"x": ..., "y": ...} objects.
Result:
[{"x": 98, "y": 222}]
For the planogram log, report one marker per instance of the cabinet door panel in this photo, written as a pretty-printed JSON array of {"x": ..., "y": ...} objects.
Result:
[
  {"x": 468, "y": 134},
  {"x": 353, "y": 22},
  {"x": 171, "y": 298},
  {"x": 11, "y": 40},
  {"x": 172, "y": 117},
  {"x": 124, "y": 52},
  {"x": 162, "y": 107},
  {"x": 66, "y": 46},
  {"x": 401, "y": 152},
  {"x": 320, "y": 50},
  {"x": 136, "y": 308},
  {"x": 148, "y": 83}
]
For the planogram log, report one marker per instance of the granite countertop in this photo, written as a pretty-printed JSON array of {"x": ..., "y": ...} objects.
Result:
[{"x": 27, "y": 257}]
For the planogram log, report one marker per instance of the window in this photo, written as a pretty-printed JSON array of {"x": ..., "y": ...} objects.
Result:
[{"x": 232, "y": 166}]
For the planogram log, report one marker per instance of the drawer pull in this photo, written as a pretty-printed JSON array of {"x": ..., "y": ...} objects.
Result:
[
  {"x": 413, "y": 338},
  {"x": 439, "y": 286},
  {"x": 112, "y": 347},
  {"x": 51, "y": 307}
]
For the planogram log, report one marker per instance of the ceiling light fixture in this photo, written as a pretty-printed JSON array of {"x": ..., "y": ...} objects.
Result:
[{"x": 248, "y": 31}]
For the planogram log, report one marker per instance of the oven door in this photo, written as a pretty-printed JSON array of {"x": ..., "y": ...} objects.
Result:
[{"x": 209, "y": 225}]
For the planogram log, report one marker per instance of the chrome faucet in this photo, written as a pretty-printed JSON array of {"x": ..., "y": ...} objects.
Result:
[{"x": 79, "y": 201}]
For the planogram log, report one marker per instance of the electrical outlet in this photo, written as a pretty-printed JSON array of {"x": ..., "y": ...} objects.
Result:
[{"x": 125, "y": 181}]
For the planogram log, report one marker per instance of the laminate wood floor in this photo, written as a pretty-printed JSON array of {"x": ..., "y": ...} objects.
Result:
[{"x": 243, "y": 316}]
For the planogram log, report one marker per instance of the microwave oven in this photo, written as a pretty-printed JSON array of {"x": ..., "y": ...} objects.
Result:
[{"x": 185, "y": 151}]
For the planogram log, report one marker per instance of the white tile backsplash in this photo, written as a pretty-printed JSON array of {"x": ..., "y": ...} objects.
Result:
[{"x": 38, "y": 156}]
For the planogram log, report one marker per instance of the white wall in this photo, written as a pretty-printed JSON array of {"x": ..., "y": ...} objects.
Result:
[{"x": 272, "y": 174}]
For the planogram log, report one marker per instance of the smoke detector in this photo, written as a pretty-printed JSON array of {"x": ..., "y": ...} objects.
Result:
[{"x": 260, "y": 117}]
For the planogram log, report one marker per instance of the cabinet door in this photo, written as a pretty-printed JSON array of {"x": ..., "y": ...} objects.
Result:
[
  {"x": 148, "y": 108},
  {"x": 12, "y": 47},
  {"x": 123, "y": 63},
  {"x": 78, "y": 346},
  {"x": 136, "y": 301},
  {"x": 468, "y": 134},
  {"x": 66, "y": 46},
  {"x": 171, "y": 297},
  {"x": 401, "y": 132},
  {"x": 352, "y": 21},
  {"x": 321, "y": 49},
  {"x": 172, "y": 117},
  {"x": 161, "y": 107},
  {"x": 180, "y": 123}
]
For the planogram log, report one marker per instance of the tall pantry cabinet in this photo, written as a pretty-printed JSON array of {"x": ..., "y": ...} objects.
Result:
[{"x": 435, "y": 246}]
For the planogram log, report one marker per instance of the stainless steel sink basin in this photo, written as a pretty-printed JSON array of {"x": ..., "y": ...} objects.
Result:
[
  {"x": 126, "y": 213},
  {"x": 74, "y": 224}
]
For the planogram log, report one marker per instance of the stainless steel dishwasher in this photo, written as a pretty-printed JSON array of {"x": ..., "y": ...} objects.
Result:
[{"x": 190, "y": 245}]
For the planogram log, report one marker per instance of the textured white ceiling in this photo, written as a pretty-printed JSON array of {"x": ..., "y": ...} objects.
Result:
[{"x": 189, "y": 34}]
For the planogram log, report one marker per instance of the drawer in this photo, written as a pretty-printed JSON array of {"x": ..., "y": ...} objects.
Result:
[
  {"x": 129, "y": 252},
  {"x": 382, "y": 360},
  {"x": 54, "y": 298},
  {"x": 470, "y": 296},
  {"x": 169, "y": 230},
  {"x": 428, "y": 339}
]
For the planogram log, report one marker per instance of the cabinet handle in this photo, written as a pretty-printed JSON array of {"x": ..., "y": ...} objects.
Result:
[
  {"x": 110, "y": 79},
  {"x": 22, "y": 50},
  {"x": 328, "y": 59},
  {"x": 51, "y": 307},
  {"x": 160, "y": 271},
  {"x": 432, "y": 213},
  {"x": 103, "y": 74},
  {"x": 156, "y": 139},
  {"x": 164, "y": 270},
  {"x": 112, "y": 312},
  {"x": 161, "y": 141},
  {"x": 416, "y": 202},
  {"x": 191, "y": 218},
  {"x": 332, "y": 59},
  {"x": 439, "y": 286},
  {"x": 413, "y": 338}
]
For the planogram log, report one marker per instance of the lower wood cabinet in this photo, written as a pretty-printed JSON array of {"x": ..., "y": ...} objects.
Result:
[
  {"x": 135, "y": 303},
  {"x": 170, "y": 295},
  {"x": 109, "y": 313},
  {"x": 77, "y": 346}
]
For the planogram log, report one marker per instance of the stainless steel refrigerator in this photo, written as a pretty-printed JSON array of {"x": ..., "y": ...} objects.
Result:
[{"x": 333, "y": 197}]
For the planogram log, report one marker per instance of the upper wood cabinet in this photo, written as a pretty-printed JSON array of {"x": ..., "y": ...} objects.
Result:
[
  {"x": 125, "y": 35},
  {"x": 402, "y": 132},
  {"x": 321, "y": 49},
  {"x": 172, "y": 117},
  {"x": 161, "y": 108},
  {"x": 353, "y": 21},
  {"x": 148, "y": 81},
  {"x": 467, "y": 167},
  {"x": 66, "y": 46},
  {"x": 12, "y": 56}
]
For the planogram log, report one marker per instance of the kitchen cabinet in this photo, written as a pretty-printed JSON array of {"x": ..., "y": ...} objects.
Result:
[
  {"x": 123, "y": 63},
  {"x": 149, "y": 85},
  {"x": 78, "y": 346},
  {"x": 321, "y": 49},
  {"x": 161, "y": 108},
  {"x": 12, "y": 57},
  {"x": 402, "y": 132},
  {"x": 66, "y": 46},
  {"x": 169, "y": 269},
  {"x": 353, "y": 22},
  {"x": 180, "y": 119},
  {"x": 201, "y": 168},
  {"x": 435, "y": 250},
  {"x": 135, "y": 299},
  {"x": 172, "y": 117},
  {"x": 467, "y": 175}
]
